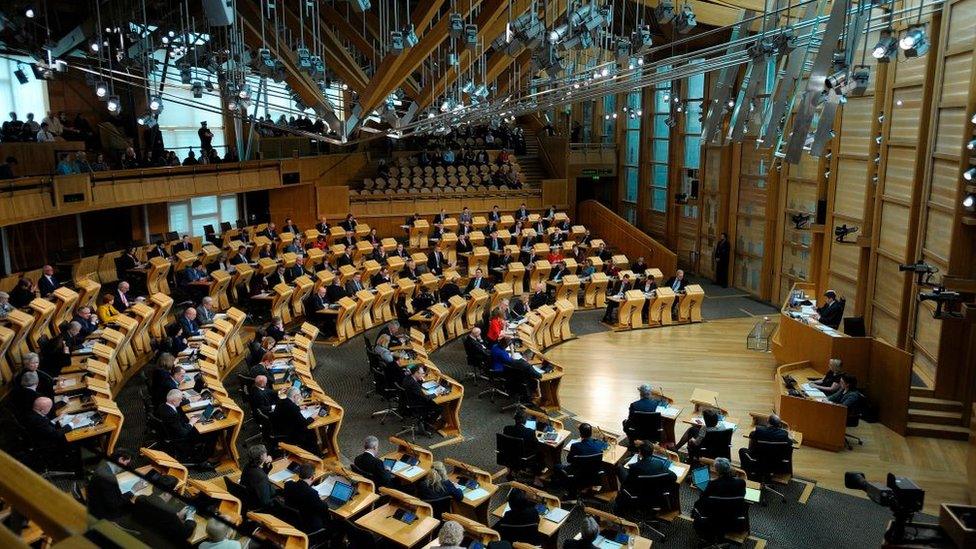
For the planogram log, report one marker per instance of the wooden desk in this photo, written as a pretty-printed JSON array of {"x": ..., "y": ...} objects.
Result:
[
  {"x": 659, "y": 307},
  {"x": 278, "y": 532},
  {"x": 703, "y": 398},
  {"x": 226, "y": 430},
  {"x": 450, "y": 403},
  {"x": 424, "y": 456},
  {"x": 548, "y": 529},
  {"x": 823, "y": 424},
  {"x": 472, "y": 508},
  {"x": 380, "y": 521},
  {"x": 608, "y": 521},
  {"x": 473, "y": 531},
  {"x": 595, "y": 291},
  {"x": 548, "y": 399},
  {"x": 365, "y": 495}
]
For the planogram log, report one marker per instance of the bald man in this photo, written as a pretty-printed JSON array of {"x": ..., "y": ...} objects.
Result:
[
  {"x": 47, "y": 439},
  {"x": 289, "y": 423},
  {"x": 262, "y": 397}
]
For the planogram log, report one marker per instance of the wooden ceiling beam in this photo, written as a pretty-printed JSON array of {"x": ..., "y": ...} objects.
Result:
[
  {"x": 714, "y": 13},
  {"x": 336, "y": 57}
]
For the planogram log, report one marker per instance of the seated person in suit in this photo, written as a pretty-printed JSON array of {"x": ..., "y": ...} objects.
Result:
[
  {"x": 417, "y": 399},
  {"x": 646, "y": 403},
  {"x": 23, "y": 395},
  {"x": 393, "y": 373},
  {"x": 276, "y": 328},
  {"x": 519, "y": 430},
  {"x": 520, "y": 375},
  {"x": 162, "y": 516},
  {"x": 255, "y": 481},
  {"x": 334, "y": 292},
  {"x": 588, "y": 269},
  {"x": 832, "y": 311},
  {"x": 22, "y": 294},
  {"x": 591, "y": 530},
  {"x": 539, "y": 297},
  {"x": 449, "y": 289},
  {"x": 695, "y": 434},
  {"x": 515, "y": 524},
  {"x": 88, "y": 321},
  {"x": 437, "y": 262},
  {"x": 437, "y": 486},
  {"x": 677, "y": 282},
  {"x": 603, "y": 253},
  {"x": 218, "y": 533},
  {"x": 240, "y": 256},
  {"x": 122, "y": 298},
  {"x": 188, "y": 321},
  {"x": 624, "y": 285},
  {"x": 830, "y": 383},
  {"x": 166, "y": 382},
  {"x": 206, "y": 312},
  {"x": 345, "y": 258},
  {"x": 708, "y": 523},
  {"x": 184, "y": 245},
  {"x": 105, "y": 498},
  {"x": 423, "y": 300},
  {"x": 409, "y": 270},
  {"x": 157, "y": 251},
  {"x": 463, "y": 244},
  {"x": 847, "y": 395},
  {"x": 262, "y": 397},
  {"x": 46, "y": 439},
  {"x": 586, "y": 446},
  {"x": 48, "y": 282},
  {"x": 45, "y": 383},
  {"x": 639, "y": 266},
  {"x": 56, "y": 354},
  {"x": 107, "y": 313},
  {"x": 176, "y": 425},
  {"x": 478, "y": 281},
  {"x": 300, "y": 496},
  {"x": 476, "y": 349},
  {"x": 381, "y": 277},
  {"x": 275, "y": 278},
  {"x": 772, "y": 431},
  {"x": 354, "y": 284},
  {"x": 289, "y": 423},
  {"x": 371, "y": 466},
  {"x": 349, "y": 223},
  {"x": 647, "y": 464},
  {"x": 259, "y": 349},
  {"x": 196, "y": 272}
]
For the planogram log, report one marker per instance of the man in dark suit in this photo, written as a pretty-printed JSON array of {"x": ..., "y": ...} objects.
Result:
[
  {"x": 240, "y": 256},
  {"x": 708, "y": 521},
  {"x": 586, "y": 446},
  {"x": 24, "y": 394},
  {"x": 262, "y": 397},
  {"x": 295, "y": 271},
  {"x": 558, "y": 272},
  {"x": 122, "y": 300},
  {"x": 184, "y": 245},
  {"x": 477, "y": 281},
  {"x": 436, "y": 262},
  {"x": 316, "y": 301},
  {"x": 475, "y": 348},
  {"x": 88, "y": 321},
  {"x": 463, "y": 245},
  {"x": 622, "y": 286},
  {"x": 519, "y": 430},
  {"x": 45, "y": 437},
  {"x": 832, "y": 311},
  {"x": 290, "y": 227},
  {"x": 354, "y": 284},
  {"x": 349, "y": 224},
  {"x": 371, "y": 466},
  {"x": 300, "y": 496},
  {"x": 494, "y": 242},
  {"x": 158, "y": 251},
  {"x": 105, "y": 498},
  {"x": 494, "y": 214},
  {"x": 345, "y": 258},
  {"x": 449, "y": 290},
  {"x": 48, "y": 282},
  {"x": 381, "y": 277},
  {"x": 502, "y": 261},
  {"x": 160, "y": 516},
  {"x": 677, "y": 282},
  {"x": 188, "y": 321},
  {"x": 420, "y": 400},
  {"x": 847, "y": 395},
  {"x": 633, "y": 490},
  {"x": 255, "y": 481},
  {"x": 409, "y": 270},
  {"x": 521, "y": 213},
  {"x": 721, "y": 258},
  {"x": 538, "y": 297},
  {"x": 349, "y": 240},
  {"x": 270, "y": 232},
  {"x": 176, "y": 426},
  {"x": 289, "y": 423},
  {"x": 322, "y": 226},
  {"x": 646, "y": 465},
  {"x": 603, "y": 253},
  {"x": 771, "y": 431},
  {"x": 423, "y": 300},
  {"x": 335, "y": 291}
]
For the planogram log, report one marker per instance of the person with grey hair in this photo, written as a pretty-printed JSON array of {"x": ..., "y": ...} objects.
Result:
[
  {"x": 290, "y": 425},
  {"x": 5, "y": 306},
  {"x": 451, "y": 535},
  {"x": 87, "y": 320},
  {"x": 254, "y": 478},
  {"x": 56, "y": 354},
  {"x": 589, "y": 533},
  {"x": 710, "y": 512},
  {"x": 217, "y": 534},
  {"x": 644, "y": 405},
  {"x": 25, "y": 393},
  {"x": 32, "y": 363},
  {"x": 370, "y": 465},
  {"x": 205, "y": 312}
]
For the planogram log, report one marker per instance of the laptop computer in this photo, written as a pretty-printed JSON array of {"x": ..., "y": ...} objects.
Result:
[
  {"x": 341, "y": 493},
  {"x": 700, "y": 478},
  {"x": 208, "y": 413}
]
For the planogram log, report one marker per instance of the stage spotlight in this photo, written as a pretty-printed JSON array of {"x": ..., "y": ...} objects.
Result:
[
  {"x": 686, "y": 20},
  {"x": 410, "y": 37},
  {"x": 155, "y": 104},
  {"x": 147, "y": 120},
  {"x": 113, "y": 104},
  {"x": 95, "y": 46},
  {"x": 969, "y": 202},
  {"x": 29, "y": 12},
  {"x": 664, "y": 12},
  {"x": 197, "y": 89},
  {"x": 836, "y": 80},
  {"x": 456, "y": 25},
  {"x": 861, "y": 76},
  {"x": 21, "y": 75},
  {"x": 101, "y": 90},
  {"x": 396, "y": 42},
  {"x": 969, "y": 174},
  {"x": 914, "y": 42},
  {"x": 884, "y": 51}
]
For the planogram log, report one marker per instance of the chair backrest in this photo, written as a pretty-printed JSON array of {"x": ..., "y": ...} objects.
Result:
[
  {"x": 238, "y": 492},
  {"x": 773, "y": 457},
  {"x": 652, "y": 491},
  {"x": 644, "y": 426},
  {"x": 440, "y": 505},
  {"x": 587, "y": 470},
  {"x": 526, "y": 533},
  {"x": 511, "y": 452},
  {"x": 726, "y": 514},
  {"x": 716, "y": 444}
]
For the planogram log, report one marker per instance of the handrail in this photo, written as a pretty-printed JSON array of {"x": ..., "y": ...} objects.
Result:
[
  {"x": 628, "y": 239},
  {"x": 57, "y": 514}
]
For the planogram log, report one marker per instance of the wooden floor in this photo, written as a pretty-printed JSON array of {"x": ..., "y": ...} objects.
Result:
[{"x": 604, "y": 369}]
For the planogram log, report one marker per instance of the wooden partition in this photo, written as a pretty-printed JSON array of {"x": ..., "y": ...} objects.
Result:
[
  {"x": 38, "y": 158},
  {"x": 625, "y": 237}
]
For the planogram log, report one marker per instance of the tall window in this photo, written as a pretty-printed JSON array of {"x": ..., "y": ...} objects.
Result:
[
  {"x": 692, "y": 135},
  {"x": 609, "y": 122},
  {"x": 182, "y": 114},
  {"x": 587, "y": 121},
  {"x": 276, "y": 100},
  {"x": 191, "y": 216},
  {"x": 659, "y": 145},
  {"x": 631, "y": 163},
  {"x": 21, "y": 98}
]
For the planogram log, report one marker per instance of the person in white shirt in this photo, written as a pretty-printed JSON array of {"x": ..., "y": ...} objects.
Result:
[
  {"x": 53, "y": 123},
  {"x": 44, "y": 135}
]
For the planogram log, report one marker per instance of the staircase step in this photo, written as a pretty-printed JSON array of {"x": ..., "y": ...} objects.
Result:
[
  {"x": 922, "y": 392},
  {"x": 935, "y": 417},
  {"x": 937, "y": 431},
  {"x": 929, "y": 403}
]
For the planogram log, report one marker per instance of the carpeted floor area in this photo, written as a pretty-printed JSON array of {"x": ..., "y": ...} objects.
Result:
[{"x": 827, "y": 519}]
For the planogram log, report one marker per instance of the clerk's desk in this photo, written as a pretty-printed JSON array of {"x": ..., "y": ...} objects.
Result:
[{"x": 802, "y": 346}]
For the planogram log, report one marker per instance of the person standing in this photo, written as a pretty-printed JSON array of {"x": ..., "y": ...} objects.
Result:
[
  {"x": 206, "y": 137},
  {"x": 721, "y": 259}
]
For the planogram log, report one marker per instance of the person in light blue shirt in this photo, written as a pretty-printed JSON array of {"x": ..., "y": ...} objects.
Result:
[
  {"x": 67, "y": 166},
  {"x": 448, "y": 156}
]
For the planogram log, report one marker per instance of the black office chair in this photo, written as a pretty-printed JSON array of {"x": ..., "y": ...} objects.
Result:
[
  {"x": 386, "y": 391},
  {"x": 238, "y": 491},
  {"x": 440, "y": 505},
  {"x": 411, "y": 415},
  {"x": 716, "y": 444},
  {"x": 770, "y": 460},
  {"x": 716, "y": 517},
  {"x": 584, "y": 473},
  {"x": 646, "y": 426},
  {"x": 477, "y": 365},
  {"x": 514, "y": 454},
  {"x": 497, "y": 382},
  {"x": 525, "y": 533},
  {"x": 854, "y": 413},
  {"x": 648, "y": 497},
  {"x": 271, "y": 438}
]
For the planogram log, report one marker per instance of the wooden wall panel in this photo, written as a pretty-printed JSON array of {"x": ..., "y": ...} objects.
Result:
[
  {"x": 906, "y": 115},
  {"x": 856, "y": 125},
  {"x": 955, "y": 84},
  {"x": 910, "y": 70},
  {"x": 938, "y": 233},
  {"x": 893, "y": 235},
  {"x": 945, "y": 181},
  {"x": 851, "y": 188},
  {"x": 899, "y": 176},
  {"x": 844, "y": 261},
  {"x": 962, "y": 22},
  {"x": 948, "y": 138},
  {"x": 844, "y": 287},
  {"x": 884, "y": 326},
  {"x": 888, "y": 287}
]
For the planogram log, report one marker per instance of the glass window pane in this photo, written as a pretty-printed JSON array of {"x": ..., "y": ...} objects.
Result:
[
  {"x": 659, "y": 175},
  {"x": 179, "y": 217},
  {"x": 659, "y": 200},
  {"x": 661, "y": 128},
  {"x": 632, "y": 153},
  {"x": 660, "y": 150},
  {"x": 631, "y": 194},
  {"x": 692, "y": 151},
  {"x": 693, "y": 119},
  {"x": 228, "y": 208},
  {"x": 203, "y": 205},
  {"x": 22, "y": 98},
  {"x": 199, "y": 222}
]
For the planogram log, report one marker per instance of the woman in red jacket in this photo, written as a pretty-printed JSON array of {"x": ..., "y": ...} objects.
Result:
[{"x": 496, "y": 325}]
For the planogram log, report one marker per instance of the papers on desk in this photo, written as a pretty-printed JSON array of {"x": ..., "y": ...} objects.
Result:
[
  {"x": 199, "y": 405},
  {"x": 310, "y": 411},
  {"x": 127, "y": 481},
  {"x": 281, "y": 475},
  {"x": 556, "y": 514},
  {"x": 280, "y": 365},
  {"x": 324, "y": 488},
  {"x": 399, "y": 466},
  {"x": 753, "y": 495},
  {"x": 669, "y": 412},
  {"x": 812, "y": 391},
  {"x": 71, "y": 382},
  {"x": 603, "y": 543},
  {"x": 412, "y": 471},
  {"x": 220, "y": 316},
  {"x": 84, "y": 419},
  {"x": 474, "y": 495},
  {"x": 282, "y": 348}
]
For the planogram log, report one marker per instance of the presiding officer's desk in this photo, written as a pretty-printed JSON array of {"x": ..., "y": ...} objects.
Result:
[{"x": 803, "y": 347}]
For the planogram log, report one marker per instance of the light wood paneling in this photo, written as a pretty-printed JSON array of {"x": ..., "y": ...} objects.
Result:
[
  {"x": 945, "y": 182},
  {"x": 948, "y": 138},
  {"x": 955, "y": 85},
  {"x": 855, "y": 126},
  {"x": 937, "y": 233},
  {"x": 851, "y": 188},
  {"x": 888, "y": 288},
  {"x": 894, "y": 222},
  {"x": 906, "y": 114},
  {"x": 899, "y": 172},
  {"x": 962, "y": 21}
]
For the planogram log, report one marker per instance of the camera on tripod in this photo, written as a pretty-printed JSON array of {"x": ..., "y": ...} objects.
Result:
[{"x": 900, "y": 494}]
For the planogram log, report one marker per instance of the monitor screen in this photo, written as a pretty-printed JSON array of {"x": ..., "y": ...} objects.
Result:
[
  {"x": 341, "y": 491},
  {"x": 700, "y": 477}
]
